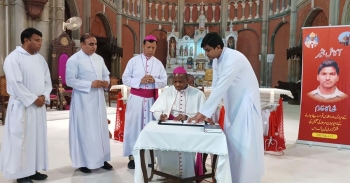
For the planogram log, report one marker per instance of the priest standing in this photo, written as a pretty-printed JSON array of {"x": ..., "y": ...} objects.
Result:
[
  {"x": 234, "y": 80},
  {"x": 145, "y": 74},
  {"x": 88, "y": 75},
  {"x": 24, "y": 144},
  {"x": 179, "y": 103}
]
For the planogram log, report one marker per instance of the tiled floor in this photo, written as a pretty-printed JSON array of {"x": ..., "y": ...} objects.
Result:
[{"x": 299, "y": 164}]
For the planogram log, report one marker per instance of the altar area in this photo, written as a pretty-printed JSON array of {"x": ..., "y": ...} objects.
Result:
[{"x": 187, "y": 52}]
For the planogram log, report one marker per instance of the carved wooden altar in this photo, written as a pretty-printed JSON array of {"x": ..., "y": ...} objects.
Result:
[{"x": 61, "y": 49}]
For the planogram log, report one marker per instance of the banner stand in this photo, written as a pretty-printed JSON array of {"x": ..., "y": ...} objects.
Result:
[{"x": 312, "y": 143}]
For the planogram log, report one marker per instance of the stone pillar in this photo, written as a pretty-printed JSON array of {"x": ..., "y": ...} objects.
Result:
[
  {"x": 150, "y": 10},
  {"x": 289, "y": 4},
  {"x": 117, "y": 66},
  {"x": 180, "y": 17},
  {"x": 283, "y": 6},
  {"x": 292, "y": 37},
  {"x": 169, "y": 13},
  {"x": 213, "y": 8},
  {"x": 60, "y": 17},
  {"x": 191, "y": 8},
  {"x": 334, "y": 12},
  {"x": 163, "y": 6},
  {"x": 265, "y": 76},
  {"x": 157, "y": 11},
  {"x": 257, "y": 8},
  {"x": 235, "y": 13},
  {"x": 206, "y": 13},
  {"x": 138, "y": 8},
  {"x": 277, "y": 7},
  {"x": 143, "y": 24},
  {"x": 293, "y": 24},
  {"x": 44, "y": 27},
  {"x": 87, "y": 15},
  {"x": 228, "y": 12},
  {"x": 18, "y": 21},
  {"x": 176, "y": 12},
  {"x": 133, "y": 8},
  {"x": 250, "y": 3},
  {"x": 243, "y": 10},
  {"x": 271, "y": 5},
  {"x": 123, "y": 5},
  {"x": 127, "y": 7},
  {"x": 4, "y": 51},
  {"x": 198, "y": 12},
  {"x": 223, "y": 25}
]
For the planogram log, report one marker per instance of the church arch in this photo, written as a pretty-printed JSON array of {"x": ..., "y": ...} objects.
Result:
[
  {"x": 272, "y": 43},
  {"x": 106, "y": 24},
  {"x": 309, "y": 19}
]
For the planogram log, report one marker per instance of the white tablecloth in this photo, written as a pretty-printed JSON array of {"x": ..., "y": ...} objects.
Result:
[
  {"x": 185, "y": 139},
  {"x": 267, "y": 95}
]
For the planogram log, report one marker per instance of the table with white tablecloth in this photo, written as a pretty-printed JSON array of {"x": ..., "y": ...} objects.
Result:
[{"x": 183, "y": 139}]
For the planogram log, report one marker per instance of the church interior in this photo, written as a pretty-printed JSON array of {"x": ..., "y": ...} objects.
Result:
[{"x": 267, "y": 32}]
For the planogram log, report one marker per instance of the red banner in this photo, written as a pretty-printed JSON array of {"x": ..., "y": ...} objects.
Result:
[{"x": 324, "y": 115}]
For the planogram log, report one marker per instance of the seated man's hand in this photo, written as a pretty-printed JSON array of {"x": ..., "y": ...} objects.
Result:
[
  {"x": 163, "y": 117},
  {"x": 180, "y": 117}
]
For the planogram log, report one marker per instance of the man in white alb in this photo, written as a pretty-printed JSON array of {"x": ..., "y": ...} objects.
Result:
[
  {"x": 24, "y": 144},
  {"x": 179, "y": 103}
]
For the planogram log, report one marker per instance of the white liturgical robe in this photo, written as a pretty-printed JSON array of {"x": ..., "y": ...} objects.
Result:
[
  {"x": 234, "y": 81},
  {"x": 24, "y": 144},
  {"x": 187, "y": 102},
  {"x": 137, "y": 113},
  {"x": 88, "y": 127}
]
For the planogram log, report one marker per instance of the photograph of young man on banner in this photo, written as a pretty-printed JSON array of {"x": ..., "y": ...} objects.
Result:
[{"x": 328, "y": 76}]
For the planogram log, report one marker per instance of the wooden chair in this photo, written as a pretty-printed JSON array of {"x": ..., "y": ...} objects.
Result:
[
  {"x": 4, "y": 97},
  {"x": 112, "y": 94}
]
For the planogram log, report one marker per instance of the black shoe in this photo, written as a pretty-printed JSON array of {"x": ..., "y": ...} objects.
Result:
[
  {"x": 131, "y": 164},
  {"x": 24, "y": 180},
  {"x": 85, "y": 170},
  {"x": 38, "y": 176},
  {"x": 149, "y": 165},
  {"x": 107, "y": 166}
]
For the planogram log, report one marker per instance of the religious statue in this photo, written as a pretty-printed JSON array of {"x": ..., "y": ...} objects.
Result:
[
  {"x": 231, "y": 42},
  {"x": 172, "y": 48},
  {"x": 186, "y": 51},
  {"x": 191, "y": 51},
  {"x": 61, "y": 98},
  {"x": 189, "y": 62},
  {"x": 181, "y": 50}
]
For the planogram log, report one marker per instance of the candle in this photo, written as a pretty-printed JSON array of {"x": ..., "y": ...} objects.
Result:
[
  {"x": 272, "y": 97},
  {"x": 124, "y": 92}
]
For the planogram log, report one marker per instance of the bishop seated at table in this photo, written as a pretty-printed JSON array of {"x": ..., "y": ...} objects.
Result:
[{"x": 179, "y": 103}]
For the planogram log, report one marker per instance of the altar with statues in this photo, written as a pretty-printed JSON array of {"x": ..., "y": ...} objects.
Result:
[{"x": 187, "y": 52}]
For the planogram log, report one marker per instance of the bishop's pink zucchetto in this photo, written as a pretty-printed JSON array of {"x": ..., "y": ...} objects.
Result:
[
  {"x": 179, "y": 70},
  {"x": 150, "y": 38}
]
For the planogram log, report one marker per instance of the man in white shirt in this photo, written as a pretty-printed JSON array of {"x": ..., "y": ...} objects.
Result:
[
  {"x": 328, "y": 76},
  {"x": 88, "y": 75},
  {"x": 178, "y": 102},
  {"x": 235, "y": 82}
]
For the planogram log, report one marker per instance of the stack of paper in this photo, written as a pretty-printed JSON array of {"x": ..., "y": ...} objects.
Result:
[{"x": 212, "y": 129}]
